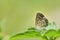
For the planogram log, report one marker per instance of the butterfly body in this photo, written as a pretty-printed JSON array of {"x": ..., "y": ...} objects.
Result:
[{"x": 41, "y": 21}]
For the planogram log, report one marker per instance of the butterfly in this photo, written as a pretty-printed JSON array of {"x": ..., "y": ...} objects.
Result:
[{"x": 41, "y": 21}]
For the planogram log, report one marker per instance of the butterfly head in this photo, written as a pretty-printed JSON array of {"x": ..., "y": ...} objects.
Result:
[{"x": 40, "y": 15}]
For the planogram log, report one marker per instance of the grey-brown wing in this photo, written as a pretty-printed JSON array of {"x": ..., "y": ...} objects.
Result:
[{"x": 41, "y": 20}]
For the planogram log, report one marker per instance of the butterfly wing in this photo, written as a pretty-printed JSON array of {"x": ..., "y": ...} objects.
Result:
[{"x": 41, "y": 21}]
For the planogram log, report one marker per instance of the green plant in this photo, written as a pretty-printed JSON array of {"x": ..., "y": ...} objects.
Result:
[{"x": 49, "y": 33}]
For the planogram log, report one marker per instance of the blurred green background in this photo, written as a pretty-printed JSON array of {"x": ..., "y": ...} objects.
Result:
[{"x": 17, "y": 15}]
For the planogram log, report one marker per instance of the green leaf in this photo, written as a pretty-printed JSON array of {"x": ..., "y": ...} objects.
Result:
[
  {"x": 31, "y": 29},
  {"x": 58, "y": 30},
  {"x": 52, "y": 33},
  {"x": 27, "y": 34}
]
